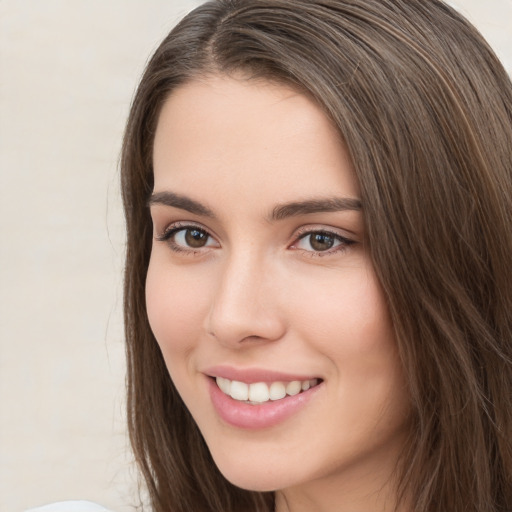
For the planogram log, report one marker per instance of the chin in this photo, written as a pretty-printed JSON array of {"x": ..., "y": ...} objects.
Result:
[
  {"x": 254, "y": 482},
  {"x": 255, "y": 476}
]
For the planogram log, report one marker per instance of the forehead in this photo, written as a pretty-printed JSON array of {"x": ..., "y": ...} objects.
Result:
[{"x": 222, "y": 136}]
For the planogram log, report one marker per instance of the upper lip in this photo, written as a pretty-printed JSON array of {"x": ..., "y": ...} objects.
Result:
[{"x": 253, "y": 375}]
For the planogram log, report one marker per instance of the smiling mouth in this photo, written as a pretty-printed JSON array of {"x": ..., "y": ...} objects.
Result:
[{"x": 261, "y": 392}]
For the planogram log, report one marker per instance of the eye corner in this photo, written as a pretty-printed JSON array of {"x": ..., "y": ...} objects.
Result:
[
  {"x": 187, "y": 238},
  {"x": 328, "y": 241}
]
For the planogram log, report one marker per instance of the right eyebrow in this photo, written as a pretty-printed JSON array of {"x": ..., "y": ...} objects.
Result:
[
  {"x": 315, "y": 205},
  {"x": 182, "y": 202}
]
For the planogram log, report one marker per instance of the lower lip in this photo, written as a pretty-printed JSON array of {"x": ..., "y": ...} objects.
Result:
[{"x": 265, "y": 415}]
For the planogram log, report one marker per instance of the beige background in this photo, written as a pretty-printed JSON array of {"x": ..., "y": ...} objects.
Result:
[{"x": 68, "y": 69}]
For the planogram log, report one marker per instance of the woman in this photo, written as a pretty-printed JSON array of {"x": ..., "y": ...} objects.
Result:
[{"x": 318, "y": 294}]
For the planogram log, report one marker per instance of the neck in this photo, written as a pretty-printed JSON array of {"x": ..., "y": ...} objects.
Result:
[{"x": 353, "y": 490}]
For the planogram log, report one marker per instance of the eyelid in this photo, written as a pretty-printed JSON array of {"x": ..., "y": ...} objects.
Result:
[
  {"x": 336, "y": 233},
  {"x": 174, "y": 228},
  {"x": 321, "y": 228},
  {"x": 166, "y": 235}
]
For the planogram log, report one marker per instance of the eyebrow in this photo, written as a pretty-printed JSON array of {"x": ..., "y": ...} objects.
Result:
[
  {"x": 333, "y": 204},
  {"x": 280, "y": 212},
  {"x": 181, "y": 202}
]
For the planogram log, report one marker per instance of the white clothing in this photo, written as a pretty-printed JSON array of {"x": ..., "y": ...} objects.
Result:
[{"x": 70, "y": 506}]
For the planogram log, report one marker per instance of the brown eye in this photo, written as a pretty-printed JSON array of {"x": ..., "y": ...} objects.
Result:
[
  {"x": 188, "y": 238},
  {"x": 195, "y": 238},
  {"x": 321, "y": 241}
]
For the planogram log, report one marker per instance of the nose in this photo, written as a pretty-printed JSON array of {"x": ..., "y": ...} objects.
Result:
[{"x": 245, "y": 305}]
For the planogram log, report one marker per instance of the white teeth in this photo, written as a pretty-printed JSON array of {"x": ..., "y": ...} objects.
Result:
[
  {"x": 224, "y": 385},
  {"x": 277, "y": 391},
  {"x": 239, "y": 390},
  {"x": 293, "y": 388},
  {"x": 261, "y": 392}
]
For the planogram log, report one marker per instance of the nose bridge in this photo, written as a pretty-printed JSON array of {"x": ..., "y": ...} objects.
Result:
[{"x": 244, "y": 302}]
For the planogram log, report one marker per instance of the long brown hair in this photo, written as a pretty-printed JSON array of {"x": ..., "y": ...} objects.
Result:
[{"x": 425, "y": 110}]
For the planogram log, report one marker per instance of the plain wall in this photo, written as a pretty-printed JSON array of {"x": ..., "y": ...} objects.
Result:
[{"x": 68, "y": 69}]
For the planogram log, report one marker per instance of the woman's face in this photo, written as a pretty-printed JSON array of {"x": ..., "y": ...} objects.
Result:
[{"x": 262, "y": 295}]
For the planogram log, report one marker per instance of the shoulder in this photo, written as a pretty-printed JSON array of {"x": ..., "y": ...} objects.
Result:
[{"x": 70, "y": 506}]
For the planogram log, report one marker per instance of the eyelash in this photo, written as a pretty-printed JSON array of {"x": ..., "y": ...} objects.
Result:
[
  {"x": 171, "y": 231},
  {"x": 344, "y": 242}
]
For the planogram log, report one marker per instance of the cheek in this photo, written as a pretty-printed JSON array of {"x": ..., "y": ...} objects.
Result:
[
  {"x": 349, "y": 323},
  {"x": 348, "y": 317},
  {"x": 176, "y": 305}
]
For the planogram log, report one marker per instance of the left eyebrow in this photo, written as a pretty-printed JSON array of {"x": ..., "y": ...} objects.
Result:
[
  {"x": 333, "y": 204},
  {"x": 168, "y": 198}
]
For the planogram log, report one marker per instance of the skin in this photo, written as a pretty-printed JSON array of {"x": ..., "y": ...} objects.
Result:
[{"x": 259, "y": 294}]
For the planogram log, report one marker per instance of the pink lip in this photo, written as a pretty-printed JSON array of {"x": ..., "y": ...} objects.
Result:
[
  {"x": 265, "y": 415},
  {"x": 253, "y": 375}
]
